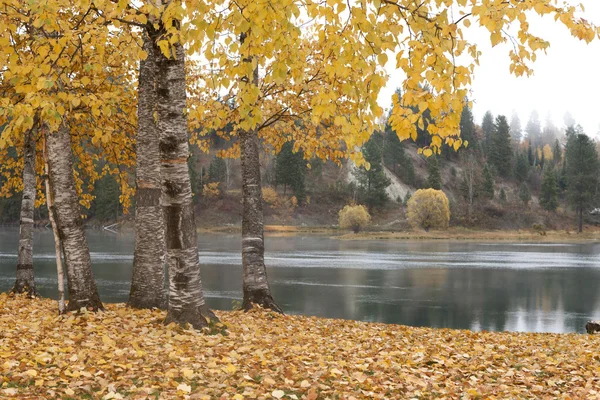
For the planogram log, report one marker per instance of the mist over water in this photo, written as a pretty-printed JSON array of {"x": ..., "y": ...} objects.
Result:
[{"x": 445, "y": 284}]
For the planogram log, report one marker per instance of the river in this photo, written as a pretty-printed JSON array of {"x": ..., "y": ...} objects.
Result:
[{"x": 531, "y": 287}]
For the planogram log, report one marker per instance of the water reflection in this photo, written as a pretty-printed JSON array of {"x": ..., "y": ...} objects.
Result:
[{"x": 517, "y": 287}]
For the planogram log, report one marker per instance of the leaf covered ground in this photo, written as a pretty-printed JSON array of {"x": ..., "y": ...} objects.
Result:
[{"x": 121, "y": 353}]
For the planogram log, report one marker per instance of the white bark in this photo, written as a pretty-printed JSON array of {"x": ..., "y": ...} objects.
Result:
[
  {"x": 57, "y": 244},
  {"x": 186, "y": 298},
  {"x": 25, "y": 282},
  {"x": 148, "y": 280},
  {"x": 81, "y": 284}
]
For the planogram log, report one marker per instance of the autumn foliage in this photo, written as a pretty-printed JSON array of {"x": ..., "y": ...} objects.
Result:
[
  {"x": 129, "y": 354},
  {"x": 429, "y": 208},
  {"x": 354, "y": 217}
]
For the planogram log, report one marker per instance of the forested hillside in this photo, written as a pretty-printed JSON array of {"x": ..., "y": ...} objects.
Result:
[{"x": 511, "y": 175}]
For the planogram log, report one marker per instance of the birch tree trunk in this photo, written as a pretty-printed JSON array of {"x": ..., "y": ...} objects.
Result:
[
  {"x": 148, "y": 281},
  {"x": 57, "y": 243},
  {"x": 256, "y": 284},
  {"x": 186, "y": 298},
  {"x": 81, "y": 284},
  {"x": 25, "y": 282}
]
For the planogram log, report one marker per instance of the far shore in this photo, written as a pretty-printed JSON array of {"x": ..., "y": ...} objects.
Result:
[{"x": 454, "y": 233}]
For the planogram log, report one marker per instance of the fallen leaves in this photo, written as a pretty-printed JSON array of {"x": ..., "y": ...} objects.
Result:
[{"x": 124, "y": 353}]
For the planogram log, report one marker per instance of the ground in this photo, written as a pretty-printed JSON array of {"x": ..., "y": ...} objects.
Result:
[{"x": 122, "y": 353}]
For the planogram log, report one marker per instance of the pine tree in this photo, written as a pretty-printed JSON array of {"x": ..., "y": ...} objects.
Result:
[
  {"x": 488, "y": 182},
  {"x": 521, "y": 168},
  {"x": 467, "y": 126},
  {"x": 502, "y": 195},
  {"x": 372, "y": 183},
  {"x": 487, "y": 125},
  {"x": 500, "y": 151},
  {"x": 534, "y": 129},
  {"x": 393, "y": 150},
  {"x": 217, "y": 170},
  {"x": 556, "y": 153},
  {"x": 530, "y": 157},
  {"x": 524, "y": 193},
  {"x": 516, "y": 132},
  {"x": 291, "y": 170},
  {"x": 549, "y": 192},
  {"x": 434, "y": 180},
  {"x": 581, "y": 171}
]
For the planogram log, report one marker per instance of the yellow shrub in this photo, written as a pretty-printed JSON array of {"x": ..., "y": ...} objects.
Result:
[
  {"x": 211, "y": 190},
  {"x": 354, "y": 217},
  {"x": 429, "y": 208},
  {"x": 270, "y": 196}
]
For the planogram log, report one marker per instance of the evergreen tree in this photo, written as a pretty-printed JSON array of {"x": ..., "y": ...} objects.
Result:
[
  {"x": 487, "y": 125},
  {"x": 516, "y": 132},
  {"x": 543, "y": 160},
  {"x": 467, "y": 126},
  {"x": 502, "y": 195},
  {"x": 395, "y": 157},
  {"x": 291, "y": 170},
  {"x": 556, "y": 153},
  {"x": 521, "y": 168},
  {"x": 530, "y": 156},
  {"x": 217, "y": 170},
  {"x": 582, "y": 172},
  {"x": 549, "y": 192},
  {"x": 534, "y": 129},
  {"x": 524, "y": 193},
  {"x": 372, "y": 183},
  {"x": 488, "y": 182},
  {"x": 393, "y": 150},
  {"x": 434, "y": 179},
  {"x": 500, "y": 151},
  {"x": 106, "y": 205}
]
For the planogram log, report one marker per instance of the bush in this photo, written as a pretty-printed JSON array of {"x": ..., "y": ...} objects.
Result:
[
  {"x": 211, "y": 190},
  {"x": 354, "y": 217},
  {"x": 428, "y": 208},
  {"x": 270, "y": 196}
]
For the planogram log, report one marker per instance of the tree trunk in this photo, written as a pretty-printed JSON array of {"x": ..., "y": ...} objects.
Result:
[
  {"x": 81, "y": 284},
  {"x": 148, "y": 281},
  {"x": 25, "y": 282},
  {"x": 256, "y": 284},
  {"x": 581, "y": 219},
  {"x": 57, "y": 243},
  {"x": 186, "y": 299}
]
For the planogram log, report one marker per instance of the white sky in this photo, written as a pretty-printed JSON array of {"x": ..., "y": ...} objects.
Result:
[{"x": 566, "y": 79}]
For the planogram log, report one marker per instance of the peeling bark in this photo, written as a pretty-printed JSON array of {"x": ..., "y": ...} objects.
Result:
[
  {"x": 186, "y": 298},
  {"x": 256, "y": 283},
  {"x": 25, "y": 282},
  {"x": 148, "y": 280},
  {"x": 57, "y": 243},
  {"x": 81, "y": 284}
]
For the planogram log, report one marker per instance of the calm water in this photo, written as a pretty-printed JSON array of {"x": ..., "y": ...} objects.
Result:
[{"x": 491, "y": 286}]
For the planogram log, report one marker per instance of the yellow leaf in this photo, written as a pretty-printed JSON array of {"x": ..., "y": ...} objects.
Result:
[
  {"x": 230, "y": 368},
  {"x": 184, "y": 388},
  {"x": 278, "y": 393}
]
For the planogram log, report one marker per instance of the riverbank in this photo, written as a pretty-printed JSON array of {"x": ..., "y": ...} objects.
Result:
[
  {"x": 122, "y": 353},
  {"x": 455, "y": 233}
]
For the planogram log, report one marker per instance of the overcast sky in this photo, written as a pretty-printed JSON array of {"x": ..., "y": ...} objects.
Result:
[{"x": 566, "y": 79}]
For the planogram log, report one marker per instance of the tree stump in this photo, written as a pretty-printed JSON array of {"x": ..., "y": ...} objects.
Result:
[{"x": 592, "y": 326}]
